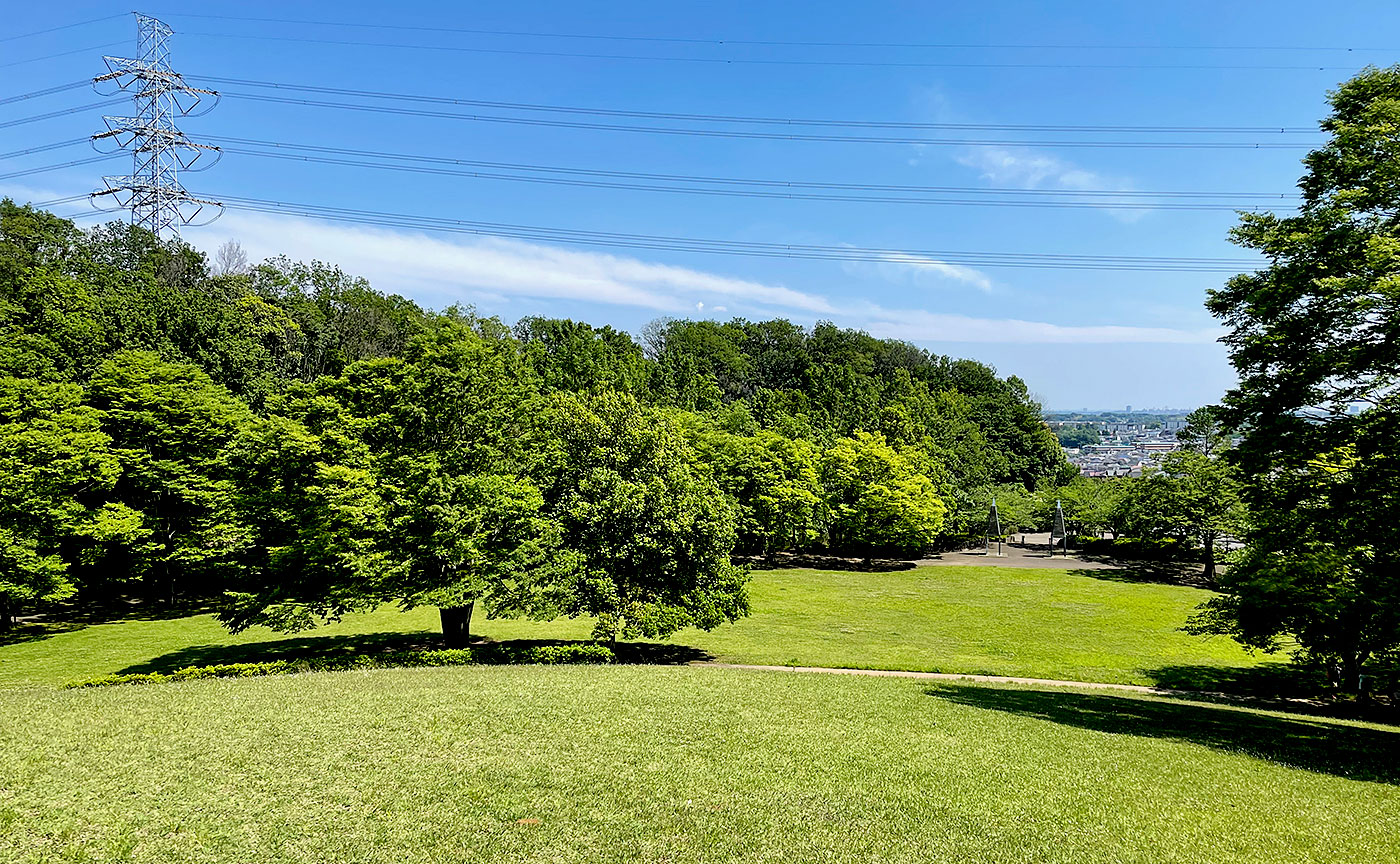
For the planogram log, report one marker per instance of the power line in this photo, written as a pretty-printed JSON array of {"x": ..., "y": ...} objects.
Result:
[
  {"x": 74, "y": 163},
  {"x": 90, "y": 49},
  {"x": 741, "y": 248},
  {"x": 769, "y": 136},
  {"x": 58, "y": 201},
  {"x": 782, "y": 121},
  {"x": 63, "y": 27},
  {"x": 743, "y": 61},
  {"x": 772, "y": 42},
  {"x": 72, "y": 85},
  {"x": 792, "y": 194},
  {"x": 690, "y": 178},
  {"x": 58, "y": 145},
  {"x": 52, "y": 114}
]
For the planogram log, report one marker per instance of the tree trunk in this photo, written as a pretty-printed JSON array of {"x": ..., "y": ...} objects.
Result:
[
  {"x": 456, "y": 625},
  {"x": 1351, "y": 673},
  {"x": 1209, "y": 545}
]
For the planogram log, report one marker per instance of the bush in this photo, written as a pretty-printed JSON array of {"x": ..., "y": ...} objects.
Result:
[
  {"x": 495, "y": 654},
  {"x": 1132, "y": 548}
]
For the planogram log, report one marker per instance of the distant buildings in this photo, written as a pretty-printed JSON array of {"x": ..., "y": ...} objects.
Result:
[{"x": 1127, "y": 449}]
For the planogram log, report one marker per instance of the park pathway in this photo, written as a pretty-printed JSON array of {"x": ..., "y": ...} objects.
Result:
[{"x": 947, "y": 676}]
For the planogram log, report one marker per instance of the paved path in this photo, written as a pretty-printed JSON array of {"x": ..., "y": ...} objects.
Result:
[
  {"x": 1033, "y": 553},
  {"x": 943, "y": 676}
]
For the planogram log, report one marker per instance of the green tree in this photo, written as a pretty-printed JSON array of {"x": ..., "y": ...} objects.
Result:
[
  {"x": 774, "y": 481},
  {"x": 170, "y": 426},
  {"x": 55, "y": 466},
  {"x": 463, "y": 539},
  {"x": 1191, "y": 497},
  {"x": 1315, "y": 339},
  {"x": 647, "y": 534},
  {"x": 1321, "y": 573},
  {"x": 1093, "y": 504},
  {"x": 878, "y": 499},
  {"x": 315, "y": 520},
  {"x": 571, "y": 355},
  {"x": 410, "y": 487}
]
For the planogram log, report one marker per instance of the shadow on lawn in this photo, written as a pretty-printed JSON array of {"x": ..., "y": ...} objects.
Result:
[
  {"x": 1355, "y": 752},
  {"x": 1154, "y": 573},
  {"x": 345, "y": 647},
  {"x": 792, "y": 560},
  {"x": 66, "y": 619},
  {"x": 1267, "y": 680}
]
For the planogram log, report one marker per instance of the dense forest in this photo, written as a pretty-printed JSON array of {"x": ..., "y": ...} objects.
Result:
[{"x": 290, "y": 443}]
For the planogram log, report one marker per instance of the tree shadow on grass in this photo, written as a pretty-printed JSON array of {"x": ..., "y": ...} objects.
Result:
[
  {"x": 302, "y": 648},
  {"x": 793, "y": 561},
  {"x": 1354, "y": 752},
  {"x": 346, "y": 647},
  {"x": 1267, "y": 680},
  {"x": 1153, "y": 573},
  {"x": 66, "y": 619},
  {"x": 33, "y": 631}
]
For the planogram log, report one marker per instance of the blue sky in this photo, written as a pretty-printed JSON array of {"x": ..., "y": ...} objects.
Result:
[{"x": 1080, "y": 338}]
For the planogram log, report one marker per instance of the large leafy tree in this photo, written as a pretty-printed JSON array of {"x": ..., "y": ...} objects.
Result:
[
  {"x": 170, "y": 426},
  {"x": 1315, "y": 338},
  {"x": 315, "y": 520},
  {"x": 647, "y": 533},
  {"x": 774, "y": 481},
  {"x": 1191, "y": 497},
  {"x": 408, "y": 485},
  {"x": 878, "y": 498},
  {"x": 56, "y": 466}
]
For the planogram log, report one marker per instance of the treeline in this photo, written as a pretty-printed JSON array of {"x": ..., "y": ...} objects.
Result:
[{"x": 292, "y": 444}]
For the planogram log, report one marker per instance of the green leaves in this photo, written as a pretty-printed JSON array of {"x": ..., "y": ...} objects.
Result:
[
  {"x": 55, "y": 463},
  {"x": 1315, "y": 338},
  {"x": 650, "y": 535},
  {"x": 878, "y": 499}
]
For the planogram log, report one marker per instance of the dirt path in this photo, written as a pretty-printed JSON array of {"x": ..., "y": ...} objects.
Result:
[{"x": 947, "y": 676}]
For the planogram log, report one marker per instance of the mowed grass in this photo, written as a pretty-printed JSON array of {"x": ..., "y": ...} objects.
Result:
[
  {"x": 1074, "y": 625},
  {"x": 676, "y": 764}
]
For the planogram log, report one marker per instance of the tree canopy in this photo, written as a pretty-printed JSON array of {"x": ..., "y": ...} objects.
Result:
[
  {"x": 290, "y": 444},
  {"x": 1315, "y": 338}
]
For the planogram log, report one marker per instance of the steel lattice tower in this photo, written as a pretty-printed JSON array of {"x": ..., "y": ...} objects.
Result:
[{"x": 160, "y": 152}]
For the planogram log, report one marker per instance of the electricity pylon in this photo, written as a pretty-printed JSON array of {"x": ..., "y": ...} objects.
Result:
[{"x": 159, "y": 150}]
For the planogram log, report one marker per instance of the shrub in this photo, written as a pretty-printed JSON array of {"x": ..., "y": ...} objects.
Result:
[{"x": 488, "y": 654}]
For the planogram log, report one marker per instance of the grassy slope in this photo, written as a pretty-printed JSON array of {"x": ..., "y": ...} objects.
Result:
[
  {"x": 675, "y": 764},
  {"x": 1035, "y": 623}
]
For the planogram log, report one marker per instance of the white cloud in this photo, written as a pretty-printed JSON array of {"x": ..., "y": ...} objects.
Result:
[
  {"x": 480, "y": 269},
  {"x": 922, "y": 272},
  {"x": 924, "y": 326},
  {"x": 408, "y": 260},
  {"x": 1026, "y": 168}
]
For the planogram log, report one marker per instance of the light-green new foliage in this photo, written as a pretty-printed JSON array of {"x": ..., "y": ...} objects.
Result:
[
  {"x": 877, "y": 498},
  {"x": 55, "y": 464},
  {"x": 773, "y": 480}
]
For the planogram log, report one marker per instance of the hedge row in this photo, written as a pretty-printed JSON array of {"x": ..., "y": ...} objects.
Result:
[{"x": 489, "y": 654}]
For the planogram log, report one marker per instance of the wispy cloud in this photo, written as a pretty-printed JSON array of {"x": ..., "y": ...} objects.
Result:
[
  {"x": 508, "y": 268},
  {"x": 1026, "y": 168},
  {"x": 922, "y": 272},
  {"x": 919, "y": 325},
  {"x": 496, "y": 271}
]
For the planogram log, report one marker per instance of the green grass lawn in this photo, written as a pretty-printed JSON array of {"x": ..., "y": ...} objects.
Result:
[
  {"x": 1073, "y": 625},
  {"x": 650, "y": 764}
]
